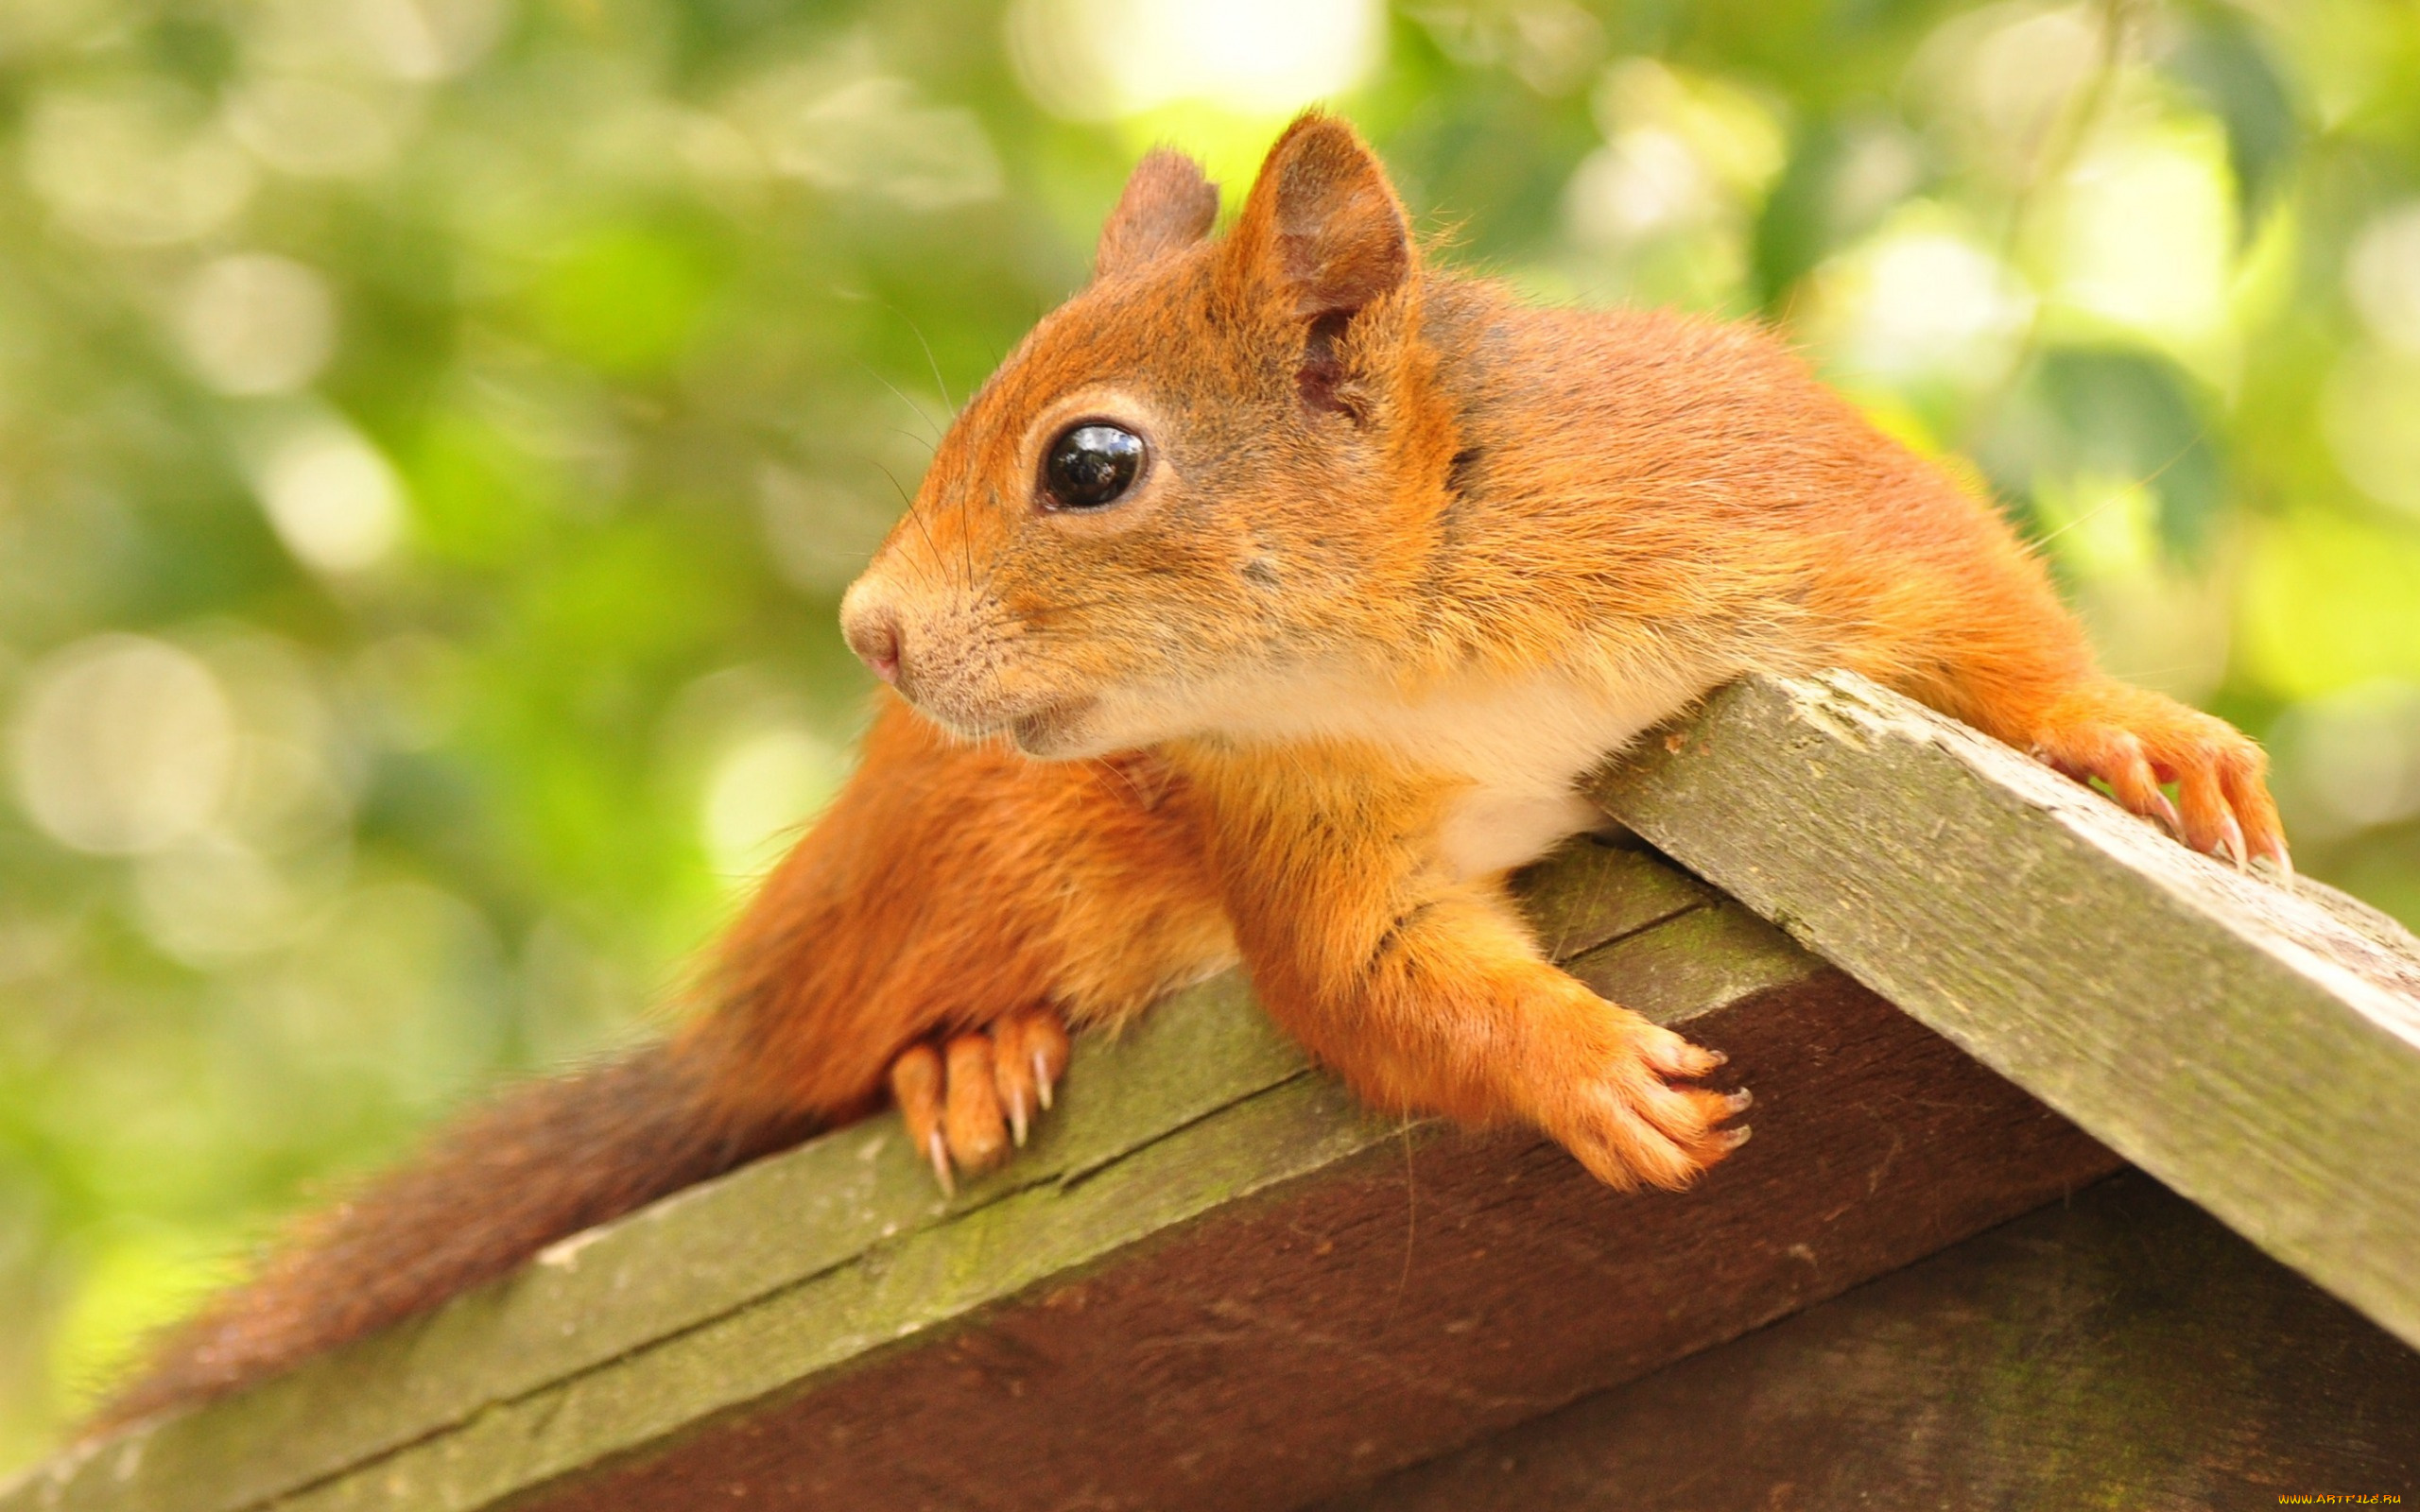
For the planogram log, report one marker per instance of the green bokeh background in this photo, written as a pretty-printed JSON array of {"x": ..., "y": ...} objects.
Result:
[{"x": 434, "y": 435}]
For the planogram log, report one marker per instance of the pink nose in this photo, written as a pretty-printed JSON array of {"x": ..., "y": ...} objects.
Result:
[{"x": 874, "y": 636}]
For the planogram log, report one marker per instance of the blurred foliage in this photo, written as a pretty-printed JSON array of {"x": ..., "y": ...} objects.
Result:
[{"x": 434, "y": 434}]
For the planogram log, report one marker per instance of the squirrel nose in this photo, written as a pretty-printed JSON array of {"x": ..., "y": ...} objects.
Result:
[{"x": 874, "y": 634}]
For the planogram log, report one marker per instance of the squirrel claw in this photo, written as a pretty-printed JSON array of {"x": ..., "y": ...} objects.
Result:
[
  {"x": 2134, "y": 741},
  {"x": 2279, "y": 861},
  {"x": 969, "y": 1099},
  {"x": 2164, "y": 810},
  {"x": 938, "y": 1151}
]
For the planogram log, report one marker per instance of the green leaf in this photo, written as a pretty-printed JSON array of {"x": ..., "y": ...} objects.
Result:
[
  {"x": 1845, "y": 174},
  {"x": 2117, "y": 412},
  {"x": 2219, "y": 60},
  {"x": 625, "y": 301}
]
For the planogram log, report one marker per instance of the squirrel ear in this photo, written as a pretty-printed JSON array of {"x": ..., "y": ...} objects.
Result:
[
  {"x": 1323, "y": 224},
  {"x": 1167, "y": 204}
]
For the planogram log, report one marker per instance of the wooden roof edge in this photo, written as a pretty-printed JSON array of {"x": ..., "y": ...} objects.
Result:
[
  {"x": 1208, "y": 1274},
  {"x": 2256, "y": 1046}
]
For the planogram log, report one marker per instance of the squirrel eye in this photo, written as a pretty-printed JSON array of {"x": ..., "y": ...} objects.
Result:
[{"x": 1091, "y": 465}]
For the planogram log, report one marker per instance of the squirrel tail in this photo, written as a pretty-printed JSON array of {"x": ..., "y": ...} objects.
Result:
[{"x": 542, "y": 1162}]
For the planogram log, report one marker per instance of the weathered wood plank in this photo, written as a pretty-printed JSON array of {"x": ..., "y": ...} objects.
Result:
[
  {"x": 1405, "y": 1296},
  {"x": 2122, "y": 1352},
  {"x": 2256, "y": 1050},
  {"x": 680, "y": 1264},
  {"x": 1210, "y": 1284}
]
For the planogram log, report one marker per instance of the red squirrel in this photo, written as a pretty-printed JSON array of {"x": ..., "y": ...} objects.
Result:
[{"x": 1269, "y": 604}]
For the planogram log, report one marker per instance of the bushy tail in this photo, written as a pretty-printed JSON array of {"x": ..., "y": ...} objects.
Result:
[{"x": 542, "y": 1162}]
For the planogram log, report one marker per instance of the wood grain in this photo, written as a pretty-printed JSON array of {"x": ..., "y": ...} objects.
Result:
[
  {"x": 1210, "y": 1284},
  {"x": 2124, "y": 1350},
  {"x": 2257, "y": 1050},
  {"x": 1404, "y": 1297}
]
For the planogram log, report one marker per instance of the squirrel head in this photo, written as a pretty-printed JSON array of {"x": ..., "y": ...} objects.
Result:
[{"x": 1221, "y": 458}]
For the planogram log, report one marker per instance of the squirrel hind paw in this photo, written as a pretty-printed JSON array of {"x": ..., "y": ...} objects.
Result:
[
  {"x": 969, "y": 1099},
  {"x": 2135, "y": 742}
]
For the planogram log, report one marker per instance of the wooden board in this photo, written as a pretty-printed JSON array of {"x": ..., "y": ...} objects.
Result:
[
  {"x": 2256, "y": 1050},
  {"x": 1211, "y": 1283},
  {"x": 2122, "y": 1352}
]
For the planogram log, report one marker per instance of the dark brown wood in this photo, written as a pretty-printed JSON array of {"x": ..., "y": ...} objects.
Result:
[
  {"x": 1209, "y": 1281},
  {"x": 2122, "y": 1352},
  {"x": 1420, "y": 1293}
]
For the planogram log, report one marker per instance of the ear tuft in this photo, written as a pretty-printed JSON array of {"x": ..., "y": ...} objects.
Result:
[
  {"x": 1167, "y": 204},
  {"x": 1323, "y": 223}
]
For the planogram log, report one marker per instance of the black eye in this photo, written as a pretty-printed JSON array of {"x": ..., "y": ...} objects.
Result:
[{"x": 1092, "y": 465}]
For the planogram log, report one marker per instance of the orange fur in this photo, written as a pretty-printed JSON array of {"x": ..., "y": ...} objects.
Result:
[{"x": 1406, "y": 560}]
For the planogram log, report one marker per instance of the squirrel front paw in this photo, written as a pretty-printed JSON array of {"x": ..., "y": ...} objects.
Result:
[
  {"x": 2133, "y": 740},
  {"x": 969, "y": 1099},
  {"x": 1617, "y": 1108}
]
